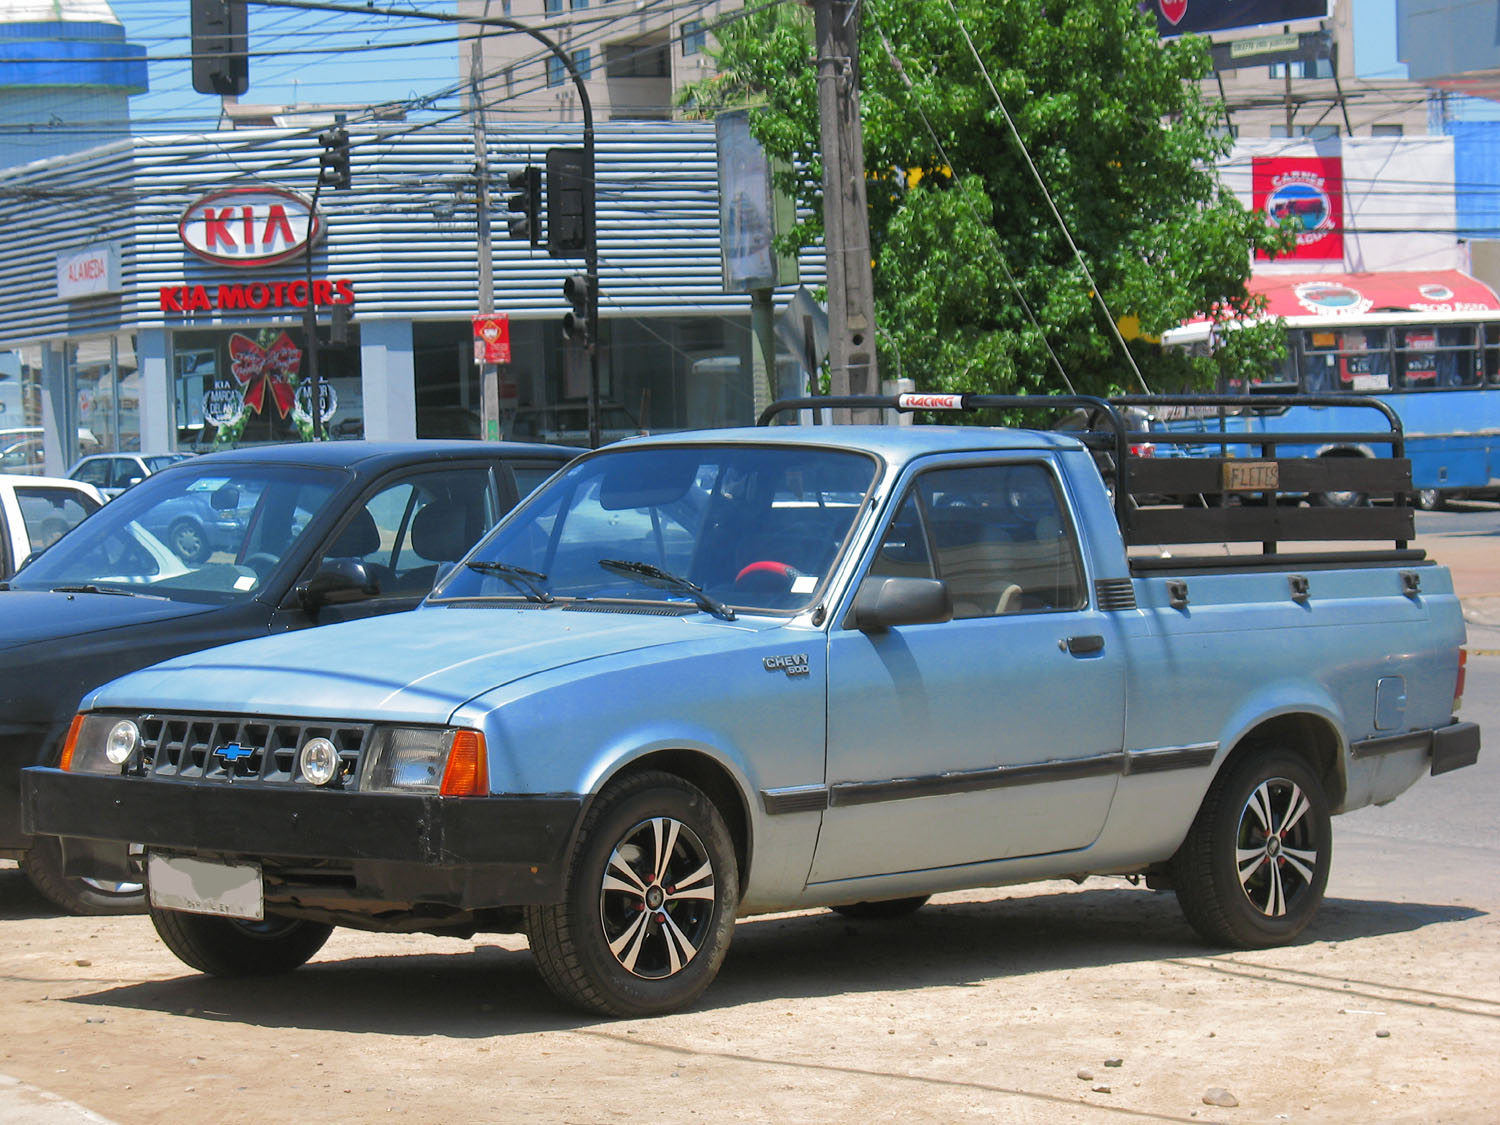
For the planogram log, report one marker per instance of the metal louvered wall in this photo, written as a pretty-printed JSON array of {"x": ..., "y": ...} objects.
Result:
[{"x": 404, "y": 234}]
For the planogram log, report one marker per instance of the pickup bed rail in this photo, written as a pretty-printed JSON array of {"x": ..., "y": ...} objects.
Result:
[{"x": 1201, "y": 487}]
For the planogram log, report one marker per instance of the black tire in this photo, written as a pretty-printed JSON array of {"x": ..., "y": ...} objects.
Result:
[
  {"x": 651, "y": 941},
  {"x": 1431, "y": 500},
  {"x": 1241, "y": 885},
  {"x": 188, "y": 541},
  {"x": 883, "y": 908},
  {"x": 43, "y": 866},
  {"x": 229, "y": 947}
]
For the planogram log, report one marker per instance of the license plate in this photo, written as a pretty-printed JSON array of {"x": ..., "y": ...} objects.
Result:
[{"x": 201, "y": 886}]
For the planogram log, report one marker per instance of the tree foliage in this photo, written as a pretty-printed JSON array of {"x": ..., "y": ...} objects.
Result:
[{"x": 976, "y": 286}]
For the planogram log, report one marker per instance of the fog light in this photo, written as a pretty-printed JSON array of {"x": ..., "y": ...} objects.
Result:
[
  {"x": 319, "y": 761},
  {"x": 123, "y": 738}
]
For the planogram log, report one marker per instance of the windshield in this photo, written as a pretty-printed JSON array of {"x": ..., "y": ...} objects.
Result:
[
  {"x": 205, "y": 532},
  {"x": 722, "y": 527}
]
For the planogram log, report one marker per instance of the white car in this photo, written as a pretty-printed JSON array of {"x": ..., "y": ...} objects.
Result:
[
  {"x": 36, "y": 512},
  {"x": 113, "y": 473}
]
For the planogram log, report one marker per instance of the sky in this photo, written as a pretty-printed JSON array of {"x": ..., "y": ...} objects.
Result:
[
  {"x": 297, "y": 57},
  {"x": 300, "y": 57}
]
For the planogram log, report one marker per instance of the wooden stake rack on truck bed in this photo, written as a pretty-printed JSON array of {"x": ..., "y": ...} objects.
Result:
[{"x": 1207, "y": 478}]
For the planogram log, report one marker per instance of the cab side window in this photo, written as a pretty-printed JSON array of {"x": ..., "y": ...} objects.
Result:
[{"x": 998, "y": 535}]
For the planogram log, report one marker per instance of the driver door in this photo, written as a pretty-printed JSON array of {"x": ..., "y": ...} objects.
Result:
[{"x": 997, "y": 734}]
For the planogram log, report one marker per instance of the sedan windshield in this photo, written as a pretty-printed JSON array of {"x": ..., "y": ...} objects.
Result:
[
  {"x": 720, "y": 528},
  {"x": 202, "y": 532}
]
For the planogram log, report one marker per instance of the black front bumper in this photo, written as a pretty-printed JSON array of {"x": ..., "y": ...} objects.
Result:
[{"x": 464, "y": 852}]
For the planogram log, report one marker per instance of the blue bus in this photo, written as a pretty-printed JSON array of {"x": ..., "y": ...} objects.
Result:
[{"x": 1439, "y": 371}]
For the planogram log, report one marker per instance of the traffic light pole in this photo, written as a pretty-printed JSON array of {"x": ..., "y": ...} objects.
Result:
[{"x": 591, "y": 251}]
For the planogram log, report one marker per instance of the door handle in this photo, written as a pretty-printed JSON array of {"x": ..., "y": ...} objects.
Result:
[{"x": 1083, "y": 646}]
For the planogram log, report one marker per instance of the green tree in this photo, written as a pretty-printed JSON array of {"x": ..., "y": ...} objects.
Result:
[{"x": 963, "y": 240}]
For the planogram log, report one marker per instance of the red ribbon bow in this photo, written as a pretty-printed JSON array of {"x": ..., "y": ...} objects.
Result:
[{"x": 258, "y": 368}]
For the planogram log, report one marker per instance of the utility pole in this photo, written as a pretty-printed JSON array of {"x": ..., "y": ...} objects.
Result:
[
  {"x": 846, "y": 221},
  {"x": 489, "y": 375}
]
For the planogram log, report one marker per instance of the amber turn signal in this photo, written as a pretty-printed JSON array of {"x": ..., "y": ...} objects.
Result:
[{"x": 467, "y": 772}]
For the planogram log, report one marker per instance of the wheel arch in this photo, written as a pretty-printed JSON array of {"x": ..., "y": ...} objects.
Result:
[
  {"x": 716, "y": 782},
  {"x": 1312, "y": 737}
]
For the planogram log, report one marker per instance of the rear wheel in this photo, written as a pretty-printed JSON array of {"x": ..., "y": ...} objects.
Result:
[
  {"x": 1429, "y": 499},
  {"x": 1253, "y": 868},
  {"x": 188, "y": 541},
  {"x": 230, "y": 947},
  {"x": 649, "y": 903}
]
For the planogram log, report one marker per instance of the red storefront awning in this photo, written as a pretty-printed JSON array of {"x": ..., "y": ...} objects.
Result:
[{"x": 1351, "y": 294}]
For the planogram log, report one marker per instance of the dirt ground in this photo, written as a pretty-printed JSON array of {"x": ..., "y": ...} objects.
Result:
[{"x": 1047, "y": 1003}]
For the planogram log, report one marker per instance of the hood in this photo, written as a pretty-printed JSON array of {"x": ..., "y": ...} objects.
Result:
[
  {"x": 408, "y": 667},
  {"x": 29, "y": 616}
]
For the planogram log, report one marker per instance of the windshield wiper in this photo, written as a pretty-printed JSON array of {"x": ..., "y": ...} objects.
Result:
[
  {"x": 529, "y": 582},
  {"x": 650, "y": 575},
  {"x": 90, "y": 588}
]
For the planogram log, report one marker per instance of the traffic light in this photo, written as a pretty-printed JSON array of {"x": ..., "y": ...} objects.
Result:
[
  {"x": 570, "y": 202},
  {"x": 577, "y": 325},
  {"x": 333, "y": 165},
  {"x": 220, "y": 37},
  {"x": 526, "y": 205}
]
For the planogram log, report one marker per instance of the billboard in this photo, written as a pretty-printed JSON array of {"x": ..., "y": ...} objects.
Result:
[
  {"x": 1177, "y": 17},
  {"x": 1305, "y": 193}
]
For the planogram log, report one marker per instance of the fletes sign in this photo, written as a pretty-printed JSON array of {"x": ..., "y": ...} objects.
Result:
[
  {"x": 1177, "y": 17},
  {"x": 1305, "y": 194},
  {"x": 249, "y": 226}
]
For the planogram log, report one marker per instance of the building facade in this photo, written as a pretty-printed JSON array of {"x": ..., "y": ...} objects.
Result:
[
  {"x": 152, "y": 291},
  {"x": 632, "y": 55}
]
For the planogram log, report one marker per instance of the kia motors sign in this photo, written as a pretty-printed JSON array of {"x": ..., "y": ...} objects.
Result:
[{"x": 249, "y": 226}]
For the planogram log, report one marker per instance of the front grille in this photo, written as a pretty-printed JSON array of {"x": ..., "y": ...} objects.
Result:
[{"x": 225, "y": 748}]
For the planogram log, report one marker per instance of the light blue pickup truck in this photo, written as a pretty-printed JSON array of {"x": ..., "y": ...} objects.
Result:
[{"x": 711, "y": 674}]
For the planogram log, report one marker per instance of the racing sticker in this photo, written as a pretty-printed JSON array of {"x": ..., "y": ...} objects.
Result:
[{"x": 1305, "y": 194}]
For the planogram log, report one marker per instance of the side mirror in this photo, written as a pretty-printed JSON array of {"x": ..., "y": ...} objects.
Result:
[
  {"x": 883, "y": 603},
  {"x": 337, "y": 582}
]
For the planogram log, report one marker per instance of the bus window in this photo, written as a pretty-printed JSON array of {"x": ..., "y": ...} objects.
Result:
[
  {"x": 1349, "y": 360},
  {"x": 1436, "y": 356},
  {"x": 1492, "y": 353}
]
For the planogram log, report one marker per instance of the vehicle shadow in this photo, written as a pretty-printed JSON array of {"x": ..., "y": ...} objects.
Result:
[{"x": 491, "y": 991}]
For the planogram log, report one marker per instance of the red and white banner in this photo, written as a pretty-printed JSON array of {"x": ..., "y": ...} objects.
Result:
[
  {"x": 492, "y": 338},
  {"x": 1306, "y": 194}
]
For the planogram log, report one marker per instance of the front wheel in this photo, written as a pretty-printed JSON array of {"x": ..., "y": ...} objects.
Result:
[
  {"x": 649, "y": 902},
  {"x": 1253, "y": 868},
  {"x": 1429, "y": 499},
  {"x": 230, "y": 947},
  {"x": 43, "y": 865}
]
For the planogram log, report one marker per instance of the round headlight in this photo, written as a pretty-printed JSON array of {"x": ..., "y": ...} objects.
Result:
[
  {"x": 320, "y": 761},
  {"x": 123, "y": 738}
]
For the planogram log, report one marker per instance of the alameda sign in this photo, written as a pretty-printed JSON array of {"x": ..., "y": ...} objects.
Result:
[{"x": 249, "y": 226}]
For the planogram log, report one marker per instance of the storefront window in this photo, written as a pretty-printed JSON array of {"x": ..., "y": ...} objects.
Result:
[
  {"x": 106, "y": 394},
  {"x": 250, "y": 386},
  {"x": 21, "y": 411},
  {"x": 655, "y": 374}
]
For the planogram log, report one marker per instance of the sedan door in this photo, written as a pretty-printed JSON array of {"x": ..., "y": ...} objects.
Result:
[{"x": 997, "y": 734}]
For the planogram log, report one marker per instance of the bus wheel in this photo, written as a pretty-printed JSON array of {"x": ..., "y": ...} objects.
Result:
[{"x": 1430, "y": 500}]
